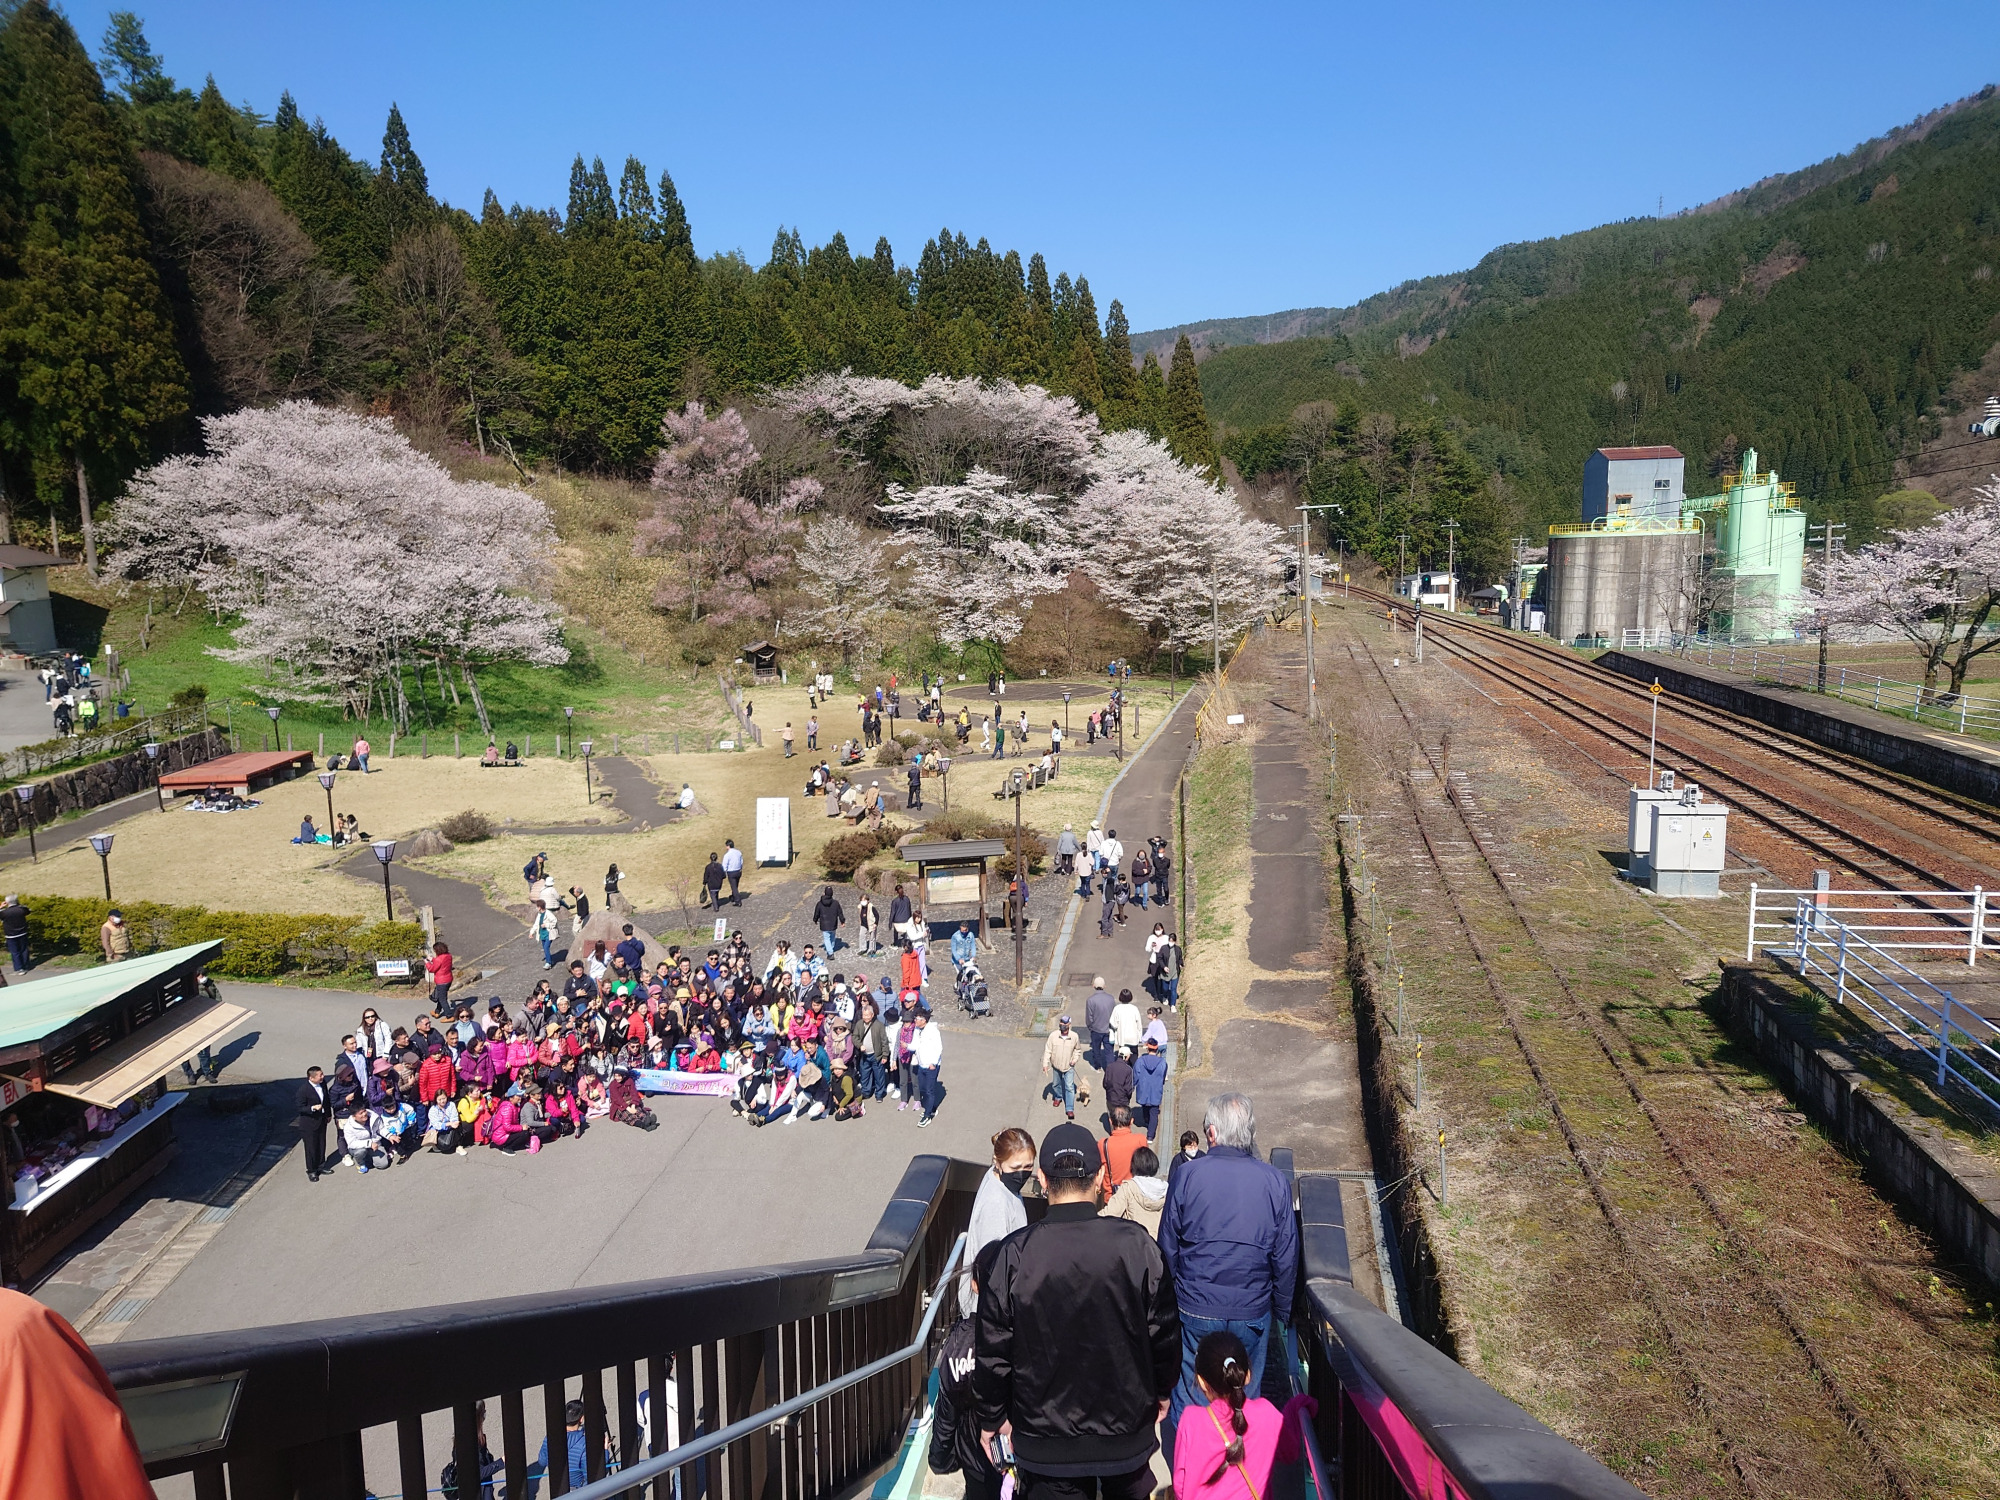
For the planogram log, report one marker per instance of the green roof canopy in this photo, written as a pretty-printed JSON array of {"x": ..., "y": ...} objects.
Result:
[{"x": 31, "y": 1011}]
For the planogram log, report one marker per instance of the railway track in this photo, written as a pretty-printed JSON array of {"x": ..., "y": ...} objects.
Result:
[
  {"x": 1832, "y": 808},
  {"x": 1737, "y": 1370}
]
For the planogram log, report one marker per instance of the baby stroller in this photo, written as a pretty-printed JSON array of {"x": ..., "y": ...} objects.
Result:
[{"x": 972, "y": 991}]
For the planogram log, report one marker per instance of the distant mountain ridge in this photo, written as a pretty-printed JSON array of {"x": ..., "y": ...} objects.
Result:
[{"x": 1417, "y": 300}]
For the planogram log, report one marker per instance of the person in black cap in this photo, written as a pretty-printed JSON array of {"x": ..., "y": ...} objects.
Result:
[{"x": 1078, "y": 1344}]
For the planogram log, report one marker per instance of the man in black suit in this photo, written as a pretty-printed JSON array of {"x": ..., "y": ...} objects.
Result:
[{"x": 314, "y": 1112}]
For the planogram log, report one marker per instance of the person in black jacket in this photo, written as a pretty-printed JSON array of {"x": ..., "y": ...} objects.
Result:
[
  {"x": 956, "y": 1444},
  {"x": 314, "y": 1110},
  {"x": 14, "y": 927},
  {"x": 1078, "y": 1343}
]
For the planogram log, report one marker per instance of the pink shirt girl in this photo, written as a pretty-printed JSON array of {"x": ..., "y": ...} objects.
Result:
[{"x": 1203, "y": 1437}]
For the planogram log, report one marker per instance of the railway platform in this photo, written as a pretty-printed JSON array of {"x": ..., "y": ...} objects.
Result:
[{"x": 1953, "y": 762}]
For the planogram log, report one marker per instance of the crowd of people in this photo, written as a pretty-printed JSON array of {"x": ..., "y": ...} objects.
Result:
[
  {"x": 1123, "y": 1321},
  {"x": 800, "y": 1039}
]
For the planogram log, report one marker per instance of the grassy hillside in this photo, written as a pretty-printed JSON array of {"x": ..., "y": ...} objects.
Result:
[{"x": 1821, "y": 317}]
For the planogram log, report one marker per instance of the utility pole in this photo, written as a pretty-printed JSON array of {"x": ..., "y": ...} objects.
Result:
[
  {"x": 1306, "y": 571},
  {"x": 1215, "y": 621},
  {"x": 1520, "y": 601},
  {"x": 1451, "y": 566},
  {"x": 1402, "y": 565},
  {"x": 1832, "y": 537}
]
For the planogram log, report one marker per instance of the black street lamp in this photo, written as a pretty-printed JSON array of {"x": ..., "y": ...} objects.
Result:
[
  {"x": 944, "y": 776},
  {"x": 27, "y": 796},
  {"x": 385, "y": 850},
  {"x": 1065, "y": 716},
  {"x": 569, "y": 731},
  {"x": 274, "y": 712},
  {"x": 1019, "y": 906},
  {"x": 585, "y": 747},
  {"x": 101, "y": 843},
  {"x": 152, "y": 749},
  {"x": 326, "y": 781}
]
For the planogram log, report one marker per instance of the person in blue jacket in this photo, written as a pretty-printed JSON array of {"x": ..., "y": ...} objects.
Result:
[
  {"x": 1230, "y": 1240},
  {"x": 1149, "y": 1087}
]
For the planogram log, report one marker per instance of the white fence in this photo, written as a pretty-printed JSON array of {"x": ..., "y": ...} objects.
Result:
[
  {"x": 1962, "y": 712},
  {"x": 1952, "y": 924},
  {"x": 1856, "y": 971}
]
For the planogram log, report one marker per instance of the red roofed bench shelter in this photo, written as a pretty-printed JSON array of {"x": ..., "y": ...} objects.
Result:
[{"x": 242, "y": 773}]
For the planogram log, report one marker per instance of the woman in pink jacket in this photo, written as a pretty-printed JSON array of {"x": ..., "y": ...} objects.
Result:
[{"x": 1227, "y": 1449}]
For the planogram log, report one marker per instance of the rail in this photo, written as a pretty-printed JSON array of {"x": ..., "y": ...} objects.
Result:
[
  {"x": 309, "y": 1409},
  {"x": 1963, "y": 713},
  {"x": 111, "y": 737},
  {"x": 1951, "y": 923},
  {"x": 1398, "y": 1416},
  {"x": 1929, "y": 1017}
]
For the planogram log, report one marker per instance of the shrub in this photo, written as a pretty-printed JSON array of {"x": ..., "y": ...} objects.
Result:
[
  {"x": 194, "y": 695},
  {"x": 847, "y": 853},
  {"x": 890, "y": 753},
  {"x": 966, "y": 824},
  {"x": 909, "y": 740},
  {"x": 468, "y": 827},
  {"x": 258, "y": 945}
]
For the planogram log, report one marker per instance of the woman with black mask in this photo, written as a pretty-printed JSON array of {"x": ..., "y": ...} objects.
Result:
[{"x": 997, "y": 1209}]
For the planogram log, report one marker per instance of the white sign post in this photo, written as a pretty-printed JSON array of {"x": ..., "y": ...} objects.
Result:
[{"x": 774, "y": 831}]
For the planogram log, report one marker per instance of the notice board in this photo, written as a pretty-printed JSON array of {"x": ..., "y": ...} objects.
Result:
[{"x": 774, "y": 831}]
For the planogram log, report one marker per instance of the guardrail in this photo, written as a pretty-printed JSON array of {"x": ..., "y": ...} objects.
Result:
[
  {"x": 1963, "y": 713},
  {"x": 296, "y": 1410},
  {"x": 1400, "y": 1417},
  {"x": 1929, "y": 1017},
  {"x": 1952, "y": 923}
]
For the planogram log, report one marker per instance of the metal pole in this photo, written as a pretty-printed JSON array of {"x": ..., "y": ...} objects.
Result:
[
  {"x": 105, "y": 860},
  {"x": 33, "y": 856},
  {"x": 1420, "y": 1070},
  {"x": 1020, "y": 883},
  {"x": 1441, "y": 1185},
  {"x": 587, "y": 798},
  {"x": 1653, "y": 735},
  {"x": 329, "y": 811},
  {"x": 388, "y": 896},
  {"x": 1306, "y": 617}
]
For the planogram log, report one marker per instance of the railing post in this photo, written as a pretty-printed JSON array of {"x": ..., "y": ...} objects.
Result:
[
  {"x": 1750, "y": 938},
  {"x": 1840, "y": 974},
  {"x": 1963, "y": 705},
  {"x": 1978, "y": 927},
  {"x": 1944, "y": 1037}
]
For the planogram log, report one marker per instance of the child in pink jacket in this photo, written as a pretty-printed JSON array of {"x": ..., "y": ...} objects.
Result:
[{"x": 1227, "y": 1449}]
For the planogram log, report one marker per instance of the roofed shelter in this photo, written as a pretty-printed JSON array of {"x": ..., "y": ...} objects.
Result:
[
  {"x": 763, "y": 659},
  {"x": 27, "y": 620},
  {"x": 952, "y": 872},
  {"x": 84, "y": 1103}
]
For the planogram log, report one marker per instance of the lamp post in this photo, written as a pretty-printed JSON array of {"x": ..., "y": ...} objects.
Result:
[
  {"x": 569, "y": 726},
  {"x": 101, "y": 843},
  {"x": 326, "y": 781},
  {"x": 944, "y": 777},
  {"x": 586, "y": 773},
  {"x": 1020, "y": 883},
  {"x": 152, "y": 749},
  {"x": 27, "y": 796},
  {"x": 1065, "y": 716},
  {"x": 385, "y": 850},
  {"x": 274, "y": 712},
  {"x": 1306, "y": 573}
]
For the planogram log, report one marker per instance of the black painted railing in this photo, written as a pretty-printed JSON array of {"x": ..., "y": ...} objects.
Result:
[{"x": 283, "y": 1412}]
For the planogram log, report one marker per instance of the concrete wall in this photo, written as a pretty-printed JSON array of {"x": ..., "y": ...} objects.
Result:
[
  {"x": 1953, "y": 1193},
  {"x": 1827, "y": 721},
  {"x": 1602, "y": 583},
  {"x": 107, "y": 780}
]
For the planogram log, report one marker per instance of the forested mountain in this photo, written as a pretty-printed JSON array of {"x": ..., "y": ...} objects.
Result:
[
  {"x": 166, "y": 255},
  {"x": 1819, "y": 317}
]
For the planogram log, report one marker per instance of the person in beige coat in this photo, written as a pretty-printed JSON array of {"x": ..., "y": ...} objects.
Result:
[
  {"x": 1141, "y": 1197},
  {"x": 1060, "y": 1054}
]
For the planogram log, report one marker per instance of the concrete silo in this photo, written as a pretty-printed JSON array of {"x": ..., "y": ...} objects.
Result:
[
  {"x": 1619, "y": 573},
  {"x": 1760, "y": 546}
]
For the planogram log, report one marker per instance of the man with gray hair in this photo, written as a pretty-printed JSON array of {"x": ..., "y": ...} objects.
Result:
[{"x": 1229, "y": 1238}]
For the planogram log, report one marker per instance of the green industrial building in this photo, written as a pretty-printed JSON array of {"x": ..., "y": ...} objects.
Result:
[{"x": 1756, "y": 567}]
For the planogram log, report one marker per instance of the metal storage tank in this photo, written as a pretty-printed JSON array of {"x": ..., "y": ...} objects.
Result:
[{"x": 1610, "y": 576}]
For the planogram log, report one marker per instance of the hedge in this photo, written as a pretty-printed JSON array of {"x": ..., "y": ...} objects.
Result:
[{"x": 259, "y": 945}]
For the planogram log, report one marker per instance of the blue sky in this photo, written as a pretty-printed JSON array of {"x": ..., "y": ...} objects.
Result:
[{"x": 1192, "y": 161}]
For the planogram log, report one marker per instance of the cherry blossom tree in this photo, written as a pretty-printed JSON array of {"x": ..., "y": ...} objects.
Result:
[
  {"x": 723, "y": 546},
  {"x": 843, "y": 577},
  {"x": 992, "y": 550},
  {"x": 1934, "y": 585},
  {"x": 349, "y": 558},
  {"x": 1172, "y": 551}
]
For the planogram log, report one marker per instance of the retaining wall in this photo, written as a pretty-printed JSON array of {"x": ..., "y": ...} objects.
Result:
[
  {"x": 1951, "y": 1192},
  {"x": 107, "y": 780},
  {"x": 1927, "y": 755}
]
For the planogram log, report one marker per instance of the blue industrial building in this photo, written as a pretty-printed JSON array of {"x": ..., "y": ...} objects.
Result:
[{"x": 1642, "y": 484}]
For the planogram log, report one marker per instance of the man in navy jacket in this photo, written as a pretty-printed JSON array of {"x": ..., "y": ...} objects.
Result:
[{"x": 1230, "y": 1239}]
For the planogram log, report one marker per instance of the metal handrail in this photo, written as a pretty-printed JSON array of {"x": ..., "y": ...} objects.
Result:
[
  {"x": 652, "y": 1468},
  {"x": 1951, "y": 922},
  {"x": 1900, "y": 992}
]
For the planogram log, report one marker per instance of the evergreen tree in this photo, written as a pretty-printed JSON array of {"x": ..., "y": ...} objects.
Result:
[
  {"x": 219, "y": 142},
  {"x": 1151, "y": 412},
  {"x": 402, "y": 191},
  {"x": 1083, "y": 381},
  {"x": 591, "y": 206},
  {"x": 635, "y": 199},
  {"x": 331, "y": 195},
  {"x": 675, "y": 234},
  {"x": 1120, "y": 380},
  {"x": 129, "y": 60},
  {"x": 83, "y": 325},
  {"x": 1188, "y": 432}
]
